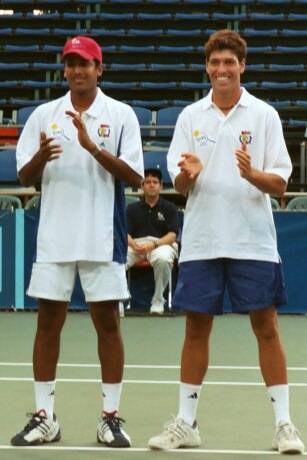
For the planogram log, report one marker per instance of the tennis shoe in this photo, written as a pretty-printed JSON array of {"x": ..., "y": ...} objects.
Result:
[
  {"x": 177, "y": 433},
  {"x": 287, "y": 440},
  {"x": 110, "y": 432},
  {"x": 39, "y": 430},
  {"x": 157, "y": 309}
]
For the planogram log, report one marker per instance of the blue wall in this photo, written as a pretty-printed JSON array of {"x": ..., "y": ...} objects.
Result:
[{"x": 17, "y": 247}]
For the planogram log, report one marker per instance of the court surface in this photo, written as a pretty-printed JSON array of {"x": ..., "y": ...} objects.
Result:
[{"x": 235, "y": 415}]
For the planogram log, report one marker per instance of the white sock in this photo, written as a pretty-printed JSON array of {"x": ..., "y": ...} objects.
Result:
[
  {"x": 279, "y": 396},
  {"x": 44, "y": 396},
  {"x": 188, "y": 402},
  {"x": 111, "y": 393}
]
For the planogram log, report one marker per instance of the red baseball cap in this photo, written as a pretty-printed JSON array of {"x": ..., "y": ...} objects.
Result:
[{"x": 84, "y": 47}]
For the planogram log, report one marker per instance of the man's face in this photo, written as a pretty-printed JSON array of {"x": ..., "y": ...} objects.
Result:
[
  {"x": 82, "y": 75},
  {"x": 224, "y": 70},
  {"x": 151, "y": 187}
]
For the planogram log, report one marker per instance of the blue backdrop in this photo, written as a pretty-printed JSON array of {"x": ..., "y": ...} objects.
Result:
[{"x": 17, "y": 250}]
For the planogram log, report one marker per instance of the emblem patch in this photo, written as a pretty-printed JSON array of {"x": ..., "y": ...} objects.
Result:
[
  {"x": 245, "y": 137},
  {"x": 104, "y": 130}
]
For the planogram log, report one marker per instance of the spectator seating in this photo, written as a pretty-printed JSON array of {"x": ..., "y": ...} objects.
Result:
[
  {"x": 10, "y": 203},
  {"x": 23, "y": 114},
  {"x": 275, "y": 204},
  {"x": 153, "y": 51},
  {"x": 8, "y": 171},
  {"x": 33, "y": 203},
  {"x": 157, "y": 160},
  {"x": 299, "y": 203},
  {"x": 167, "y": 117}
]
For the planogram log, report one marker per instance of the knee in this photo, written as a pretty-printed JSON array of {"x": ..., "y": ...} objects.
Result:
[
  {"x": 106, "y": 320},
  {"x": 198, "y": 326},
  {"x": 265, "y": 330},
  {"x": 50, "y": 321},
  {"x": 162, "y": 261}
]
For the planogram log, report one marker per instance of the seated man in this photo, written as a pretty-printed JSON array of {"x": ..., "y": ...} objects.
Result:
[{"x": 152, "y": 230}]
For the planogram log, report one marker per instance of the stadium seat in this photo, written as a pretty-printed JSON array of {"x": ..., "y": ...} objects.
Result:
[
  {"x": 297, "y": 123},
  {"x": 8, "y": 168},
  {"x": 10, "y": 203},
  {"x": 144, "y": 117},
  {"x": 192, "y": 16},
  {"x": 145, "y": 32},
  {"x": 154, "y": 16},
  {"x": 176, "y": 66},
  {"x": 291, "y": 49},
  {"x": 299, "y": 203},
  {"x": 157, "y": 160},
  {"x": 167, "y": 117},
  {"x": 278, "y": 85},
  {"x": 115, "y": 16},
  {"x": 158, "y": 85},
  {"x": 33, "y": 203},
  {"x": 275, "y": 204},
  {"x": 186, "y": 33},
  {"x": 23, "y": 114},
  {"x": 14, "y": 65},
  {"x": 137, "y": 49},
  {"x": 131, "y": 199},
  {"x": 116, "y": 66}
]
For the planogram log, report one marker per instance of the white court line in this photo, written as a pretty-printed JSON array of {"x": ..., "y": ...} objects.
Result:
[
  {"x": 142, "y": 449},
  {"x": 150, "y": 366},
  {"x": 150, "y": 382}
]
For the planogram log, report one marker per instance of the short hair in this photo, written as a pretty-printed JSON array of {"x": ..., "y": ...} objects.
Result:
[
  {"x": 155, "y": 172},
  {"x": 226, "y": 39}
]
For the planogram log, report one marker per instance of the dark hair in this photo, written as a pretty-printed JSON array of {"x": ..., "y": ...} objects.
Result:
[
  {"x": 153, "y": 172},
  {"x": 226, "y": 39}
]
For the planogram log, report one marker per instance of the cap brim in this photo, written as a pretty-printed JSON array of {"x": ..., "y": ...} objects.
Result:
[{"x": 80, "y": 53}]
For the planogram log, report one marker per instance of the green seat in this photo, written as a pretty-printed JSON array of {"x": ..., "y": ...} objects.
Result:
[
  {"x": 10, "y": 203},
  {"x": 131, "y": 199},
  {"x": 274, "y": 203},
  {"x": 299, "y": 203},
  {"x": 33, "y": 202}
]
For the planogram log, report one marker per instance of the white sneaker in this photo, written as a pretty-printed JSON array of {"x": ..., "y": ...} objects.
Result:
[
  {"x": 177, "y": 433},
  {"x": 39, "y": 430},
  {"x": 287, "y": 440},
  {"x": 157, "y": 309},
  {"x": 110, "y": 432}
]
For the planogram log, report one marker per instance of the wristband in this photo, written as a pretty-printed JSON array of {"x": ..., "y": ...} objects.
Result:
[{"x": 95, "y": 151}]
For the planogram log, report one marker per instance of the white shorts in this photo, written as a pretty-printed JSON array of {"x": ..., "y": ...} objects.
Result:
[{"x": 100, "y": 281}]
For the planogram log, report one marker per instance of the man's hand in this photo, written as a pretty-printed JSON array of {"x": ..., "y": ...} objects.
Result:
[
  {"x": 144, "y": 248},
  {"x": 244, "y": 161},
  {"x": 48, "y": 151},
  {"x": 83, "y": 136},
  {"x": 190, "y": 165}
]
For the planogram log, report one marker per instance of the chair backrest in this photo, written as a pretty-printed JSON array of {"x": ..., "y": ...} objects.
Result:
[
  {"x": 144, "y": 117},
  {"x": 23, "y": 114},
  {"x": 157, "y": 160},
  {"x": 299, "y": 203},
  {"x": 33, "y": 202},
  {"x": 131, "y": 199},
  {"x": 274, "y": 203},
  {"x": 167, "y": 117},
  {"x": 10, "y": 203},
  {"x": 8, "y": 168}
]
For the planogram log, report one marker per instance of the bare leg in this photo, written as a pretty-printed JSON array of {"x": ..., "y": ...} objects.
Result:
[
  {"x": 51, "y": 318},
  {"x": 195, "y": 352},
  {"x": 271, "y": 354},
  {"x": 106, "y": 320}
]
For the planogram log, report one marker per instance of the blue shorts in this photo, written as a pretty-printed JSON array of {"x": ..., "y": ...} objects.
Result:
[{"x": 251, "y": 285}]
